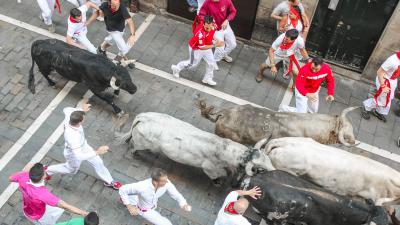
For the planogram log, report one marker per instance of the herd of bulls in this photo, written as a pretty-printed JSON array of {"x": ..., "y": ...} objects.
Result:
[{"x": 304, "y": 181}]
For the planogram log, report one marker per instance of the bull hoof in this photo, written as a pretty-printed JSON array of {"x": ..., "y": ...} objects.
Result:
[
  {"x": 131, "y": 66},
  {"x": 52, "y": 84},
  {"x": 120, "y": 114}
]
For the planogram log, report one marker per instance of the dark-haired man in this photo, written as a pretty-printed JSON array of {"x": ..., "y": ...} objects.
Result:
[
  {"x": 200, "y": 47},
  {"x": 77, "y": 149},
  {"x": 283, "y": 49},
  {"x": 115, "y": 15},
  {"x": 90, "y": 219},
  {"x": 77, "y": 27},
  {"x": 141, "y": 198},
  {"x": 40, "y": 206},
  {"x": 223, "y": 12},
  {"x": 308, "y": 84}
]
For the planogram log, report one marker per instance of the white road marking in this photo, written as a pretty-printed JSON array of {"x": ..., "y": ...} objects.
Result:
[
  {"x": 10, "y": 154},
  {"x": 9, "y": 191},
  {"x": 286, "y": 100}
]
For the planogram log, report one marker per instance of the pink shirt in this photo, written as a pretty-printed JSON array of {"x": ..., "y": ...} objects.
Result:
[
  {"x": 35, "y": 196},
  {"x": 221, "y": 11}
]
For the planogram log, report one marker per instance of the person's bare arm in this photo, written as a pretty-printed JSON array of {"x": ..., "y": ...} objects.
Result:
[
  {"x": 381, "y": 77},
  {"x": 218, "y": 44},
  {"x": 131, "y": 39},
  {"x": 275, "y": 16},
  {"x": 304, "y": 53},
  {"x": 254, "y": 192},
  {"x": 94, "y": 16},
  {"x": 71, "y": 208},
  {"x": 72, "y": 42}
]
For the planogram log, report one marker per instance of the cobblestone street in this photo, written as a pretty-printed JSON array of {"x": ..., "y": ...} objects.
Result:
[{"x": 162, "y": 44}]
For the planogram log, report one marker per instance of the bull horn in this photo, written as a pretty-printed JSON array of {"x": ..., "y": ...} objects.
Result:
[
  {"x": 112, "y": 83},
  {"x": 260, "y": 143}
]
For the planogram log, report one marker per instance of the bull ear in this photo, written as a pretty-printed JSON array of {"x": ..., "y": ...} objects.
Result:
[{"x": 114, "y": 83}]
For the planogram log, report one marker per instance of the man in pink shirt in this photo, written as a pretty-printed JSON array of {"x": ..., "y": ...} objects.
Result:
[
  {"x": 40, "y": 206},
  {"x": 223, "y": 12}
]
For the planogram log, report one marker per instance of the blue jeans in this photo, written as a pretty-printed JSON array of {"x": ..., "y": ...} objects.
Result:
[{"x": 192, "y": 3}]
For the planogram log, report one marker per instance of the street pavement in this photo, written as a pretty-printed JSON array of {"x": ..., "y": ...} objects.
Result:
[{"x": 163, "y": 43}]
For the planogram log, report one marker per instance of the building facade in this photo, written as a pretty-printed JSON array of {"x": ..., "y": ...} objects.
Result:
[{"x": 353, "y": 35}]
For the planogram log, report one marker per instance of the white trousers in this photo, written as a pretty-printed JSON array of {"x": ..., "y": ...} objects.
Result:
[
  {"x": 83, "y": 40},
  {"x": 229, "y": 38},
  {"x": 72, "y": 166},
  {"x": 199, "y": 5},
  {"x": 150, "y": 215},
  {"x": 370, "y": 103},
  {"x": 118, "y": 38},
  {"x": 50, "y": 217},
  {"x": 303, "y": 104},
  {"x": 47, "y": 7},
  {"x": 195, "y": 57}
]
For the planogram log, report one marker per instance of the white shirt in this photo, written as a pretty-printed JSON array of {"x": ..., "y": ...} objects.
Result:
[
  {"x": 390, "y": 65},
  {"x": 227, "y": 218},
  {"x": 77, "y": 29},
  {"x": 299, "y": 25},
  {"x": 147, "y": 195},
  {"x": 76, "y": 146},
  {"x": 283, "y": 8},
  {"x": 298, "y": 44}
]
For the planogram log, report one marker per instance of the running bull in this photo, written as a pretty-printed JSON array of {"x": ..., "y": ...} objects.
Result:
[
  {"x": 287, "y": 199},
  {"x": 186, "y": 144},
  {"x": 334, "y": 169},
  {"x": 95, "y": 71},
  {"x": 234, "y": 123}
]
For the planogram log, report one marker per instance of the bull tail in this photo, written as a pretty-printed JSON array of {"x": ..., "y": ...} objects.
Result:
[
  {"x": 345, "y": 127},
  {"x": 206, "y": 112},
  {"x": 31, "y": 82},
  {"x": 125, "y": 138}
]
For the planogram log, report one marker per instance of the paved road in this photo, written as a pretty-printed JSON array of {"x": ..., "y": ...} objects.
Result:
[{"x": 163, "y": 43}]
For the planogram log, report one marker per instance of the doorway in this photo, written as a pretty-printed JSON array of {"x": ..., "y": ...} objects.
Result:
[{"x": 345, "y": 32}]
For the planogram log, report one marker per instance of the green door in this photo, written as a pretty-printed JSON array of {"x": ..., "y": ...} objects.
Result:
[{"x": 345, "y": 32}]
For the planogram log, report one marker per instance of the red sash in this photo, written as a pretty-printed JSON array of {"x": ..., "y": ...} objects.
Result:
[
  {"x": 57, "y": 5},
  {"x": 386, "y": 83},
  {"x": 292, "y": 58},
  {"x": 230, "y": 209}
]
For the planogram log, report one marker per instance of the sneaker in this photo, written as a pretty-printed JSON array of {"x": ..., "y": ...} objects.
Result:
[
  {"x": 379, "y": 116},
  {"x": 100, "y": 18},
  {"x": 228, "y": 59},
  {"x": 115, "y": 185},
  {"x": 52, "y": 29},
  {"x": 365, "y": 114},
  {"x": 101, "y": 51},
  {"x": 209, "y": 82},
  {"x": 48, "y": 177},
  {"x": 175, "y": 71}
]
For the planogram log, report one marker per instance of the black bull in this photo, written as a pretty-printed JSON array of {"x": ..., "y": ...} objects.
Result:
[
  {"x": 95, "y": 71},
  {"x": 290, "y": 200}
]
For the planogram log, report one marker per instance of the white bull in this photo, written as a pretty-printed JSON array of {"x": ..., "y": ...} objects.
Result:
[
  {"x": 186, "y": 144},
  {"x": 334, "y": 169}
]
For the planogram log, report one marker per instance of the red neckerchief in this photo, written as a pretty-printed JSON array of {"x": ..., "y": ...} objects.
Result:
[
  {"x": 113, "y": 11},
  {"x": 396, "y": 73},
  {"x": 294, "y": 21},
  {"x": 72, "y": 20},
  {"x": 379, "y": 92},
  {"x": 57, "y": 5},
  {"x": 230, "y": 209},
  {"x": 292, "y": 58}
]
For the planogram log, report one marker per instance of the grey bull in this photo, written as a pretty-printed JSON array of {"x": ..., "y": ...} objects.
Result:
[
  {"x": 186, "y": 144},
  {"x": 247, "y": 124}
]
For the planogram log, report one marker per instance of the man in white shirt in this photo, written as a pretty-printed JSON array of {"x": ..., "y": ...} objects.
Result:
[
  {"x": 386, "y": 83},
  {"x": 141, "y": 198},
  {"x": 77, "y": 27},
  {"x": 283, "y": 9},
  {"x": 283, "y": 49},
  {"x": 233, "y": 209},
  {"x": 77, "y": 149}
]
